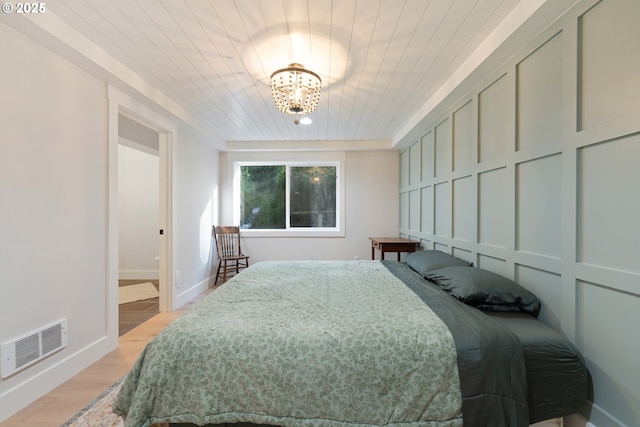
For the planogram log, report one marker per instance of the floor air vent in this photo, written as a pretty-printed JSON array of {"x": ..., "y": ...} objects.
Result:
[{"x": 28, "y": 349}]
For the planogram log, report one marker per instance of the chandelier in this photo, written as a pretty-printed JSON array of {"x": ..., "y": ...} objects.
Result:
[{"x": 296, "y": 91}]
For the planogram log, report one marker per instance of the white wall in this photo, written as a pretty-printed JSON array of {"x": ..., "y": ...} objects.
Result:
[
  {"x": 138, "y": 213},
  {"x": 54, "y": 208},
  {"x": 53, "y": 216},
  {"x": 533, "y": 175},
  {"x": 197, "y": 207},
  {"x": 371, "y": 186}
]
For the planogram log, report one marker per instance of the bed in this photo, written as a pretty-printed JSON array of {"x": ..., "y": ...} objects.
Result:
[{"x": 354, "y": 343}]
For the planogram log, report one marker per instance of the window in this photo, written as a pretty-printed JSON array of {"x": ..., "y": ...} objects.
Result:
[{"x": 289, "y": 198}]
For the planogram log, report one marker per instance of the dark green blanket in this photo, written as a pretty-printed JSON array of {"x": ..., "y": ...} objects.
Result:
[{"x": 493, "y": 376}]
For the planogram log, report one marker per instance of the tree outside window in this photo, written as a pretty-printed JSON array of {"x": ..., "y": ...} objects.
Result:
[
  {"x": 263, "y": 197},
  {"x": 276, "y": 197}
]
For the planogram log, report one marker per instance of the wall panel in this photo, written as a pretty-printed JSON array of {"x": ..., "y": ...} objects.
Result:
[
  {"x": 490, "y": 263},
  {"x": 463, "y": 203},
  {"x": 540, "y": 95},
  {"x": 533, "y": 175},
  {"x": 608, "y": 225},
  {"x": 546, "y": 286},
  {"x": 463, "y": 138},
  {"x": 442, "y": 199},
  {"x": 426, "y": 199},
  {"x": 428, "y": 157},
  {"x": 495, "y": 132},
  {"x": 404, "y": 169},
  {"x": 462, "y": 254},
  {"x": 608, "y": 322},
  {"x": 610, "y": 65},
  {"x": 414, "y": 210},
  {"x": 539, "y": 202},
  {"x": 441, "y": 247},
  {"x": 493, "y": 208},
  {"x": 414, "y": 164},
  {"x": 442, "y": 138},
  {"x": 404, "y": 210}
]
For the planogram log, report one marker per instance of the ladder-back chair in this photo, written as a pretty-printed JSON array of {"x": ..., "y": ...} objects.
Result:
[{"x": 230, "y": 257}]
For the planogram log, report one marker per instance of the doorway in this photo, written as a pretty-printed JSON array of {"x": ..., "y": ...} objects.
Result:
[
  {"x": 138, "y": 223},
  {"x": 126, "y": 112}
]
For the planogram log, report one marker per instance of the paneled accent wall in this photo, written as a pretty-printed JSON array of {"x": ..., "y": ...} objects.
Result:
[{"x": 535, "y": 175}]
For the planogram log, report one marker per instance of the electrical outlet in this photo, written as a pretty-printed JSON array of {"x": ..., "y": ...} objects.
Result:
[
  {"x": 177, "y": 281},
  {"x": 356, "y": 258}
]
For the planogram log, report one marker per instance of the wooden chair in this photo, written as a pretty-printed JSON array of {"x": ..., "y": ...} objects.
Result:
[{"x": 230, "y": 257}]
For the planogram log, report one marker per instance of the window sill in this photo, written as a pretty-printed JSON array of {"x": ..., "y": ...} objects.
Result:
[{"x": 292, "y": 233}]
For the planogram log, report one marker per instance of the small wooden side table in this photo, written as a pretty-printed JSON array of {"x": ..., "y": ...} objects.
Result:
[{"x": 391, "y": 244}]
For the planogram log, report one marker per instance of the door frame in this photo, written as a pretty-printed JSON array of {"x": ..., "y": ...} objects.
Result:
[{"x": 120, "y": 103}]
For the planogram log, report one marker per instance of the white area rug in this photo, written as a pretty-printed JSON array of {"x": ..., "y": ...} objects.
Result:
[
  {"x": 98, "y": 413},
  {"x": 138, "y": 292}
]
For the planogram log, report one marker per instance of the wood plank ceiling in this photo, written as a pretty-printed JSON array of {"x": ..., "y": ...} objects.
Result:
[{"x": 380, "y": 60}]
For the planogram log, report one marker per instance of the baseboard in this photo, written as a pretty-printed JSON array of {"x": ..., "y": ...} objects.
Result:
[
  {"x": 576, "y": 420},
  {"x": 600, "y": 417},
  {"x": 186, "y": 295},
  {"x": 138, "y": 275},
  {"x": 571, "y": 421},
  {"x": 32, "y": 388}
]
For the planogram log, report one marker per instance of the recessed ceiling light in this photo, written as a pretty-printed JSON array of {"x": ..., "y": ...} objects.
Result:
[{"x": 302, "y": 121}]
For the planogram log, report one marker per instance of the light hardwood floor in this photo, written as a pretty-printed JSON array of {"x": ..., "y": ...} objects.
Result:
[{"x": 56, "y": 407}]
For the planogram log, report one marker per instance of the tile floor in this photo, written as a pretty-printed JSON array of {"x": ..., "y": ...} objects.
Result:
[{"x": 135, "y": 313}]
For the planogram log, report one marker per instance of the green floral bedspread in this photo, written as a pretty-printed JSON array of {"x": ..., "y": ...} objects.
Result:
[{"x": 303, "y": 343}]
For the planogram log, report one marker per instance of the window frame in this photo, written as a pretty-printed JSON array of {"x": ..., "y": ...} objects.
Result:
[{"x": 337, "y": 231}]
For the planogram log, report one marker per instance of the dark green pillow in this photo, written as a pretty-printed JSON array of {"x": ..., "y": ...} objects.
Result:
[
  {"x": 424, "y": 261},
  {"x": 484, "y": 289}
]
